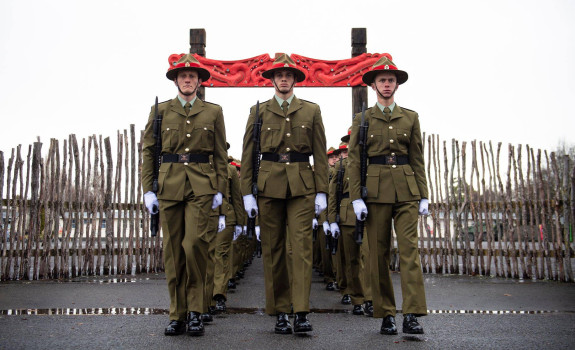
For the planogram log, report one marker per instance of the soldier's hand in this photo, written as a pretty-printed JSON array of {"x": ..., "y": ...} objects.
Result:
[
  {"x": 314, "y": 224},
  {"x": 221, "y": 223},
  {"x": 320, "y": 203},
  {"x": 245, "y": 230},
  {"x": 250, "y": 205},
  {"x": 217, "y": 201},
  {"x": 326, "y": 228},
  {"x": 360, "y": 209},
  {"x": 151, "y": 202},
  {"x": 257, "y": 229},
  {"x": 237, "y": 231},
  {"x": 424, "y": 206},
  {"x": 334, "y": 230}
]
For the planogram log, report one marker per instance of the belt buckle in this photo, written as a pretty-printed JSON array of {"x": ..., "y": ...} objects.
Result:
[
  {"x": 283, "y": 157},
  {"x": 183, "y": 158},
  {"x": 391, "y": 160}
]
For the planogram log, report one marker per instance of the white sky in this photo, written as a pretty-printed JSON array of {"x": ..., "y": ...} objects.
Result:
[{"x": 500, "y": 70}]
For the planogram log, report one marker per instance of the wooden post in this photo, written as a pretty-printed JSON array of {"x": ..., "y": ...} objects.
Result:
[
  {"x": 198, "y": 46},
  {"x": 358, "y": 46}
]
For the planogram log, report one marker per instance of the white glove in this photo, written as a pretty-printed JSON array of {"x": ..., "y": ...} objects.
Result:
[
  {"x": 314, "y": 224},
  {"x": 221, "y": 223},
  {"x": 151, "y": 202},
  {"x": 326, "y": 228},
  {"x": 334, "y": 230},
  {"x": 258, "y": 233},
  {"x": 320, "y": 203},
  {"x": 360, "y": 209},
  {"x": 217, "y": 201},
  {"x": 237, "y": 231},
  {"x": 250, "y": 205},
  {"x": 424, "y": 206},
  {"x": 245, "y": 230}
]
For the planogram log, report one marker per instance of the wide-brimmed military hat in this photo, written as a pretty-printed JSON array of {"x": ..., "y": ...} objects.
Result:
[
  {"x": 186, "y": 61},
  {"x": 384, "y": 64},
  {"x": 345, "y": 138},
  {"x": 342, "y": 147},
  {"x": 236, "y": 163},
  {"x": 330, "y": 151},
  {"x": 283, "y": 62}
]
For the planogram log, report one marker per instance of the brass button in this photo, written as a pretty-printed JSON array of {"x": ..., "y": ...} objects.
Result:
[
  {"x": 392, "y": 153},
  {"x": 390, "y": 127},
  {"x": 390, "y": 141},
  {"x": 269, "y": 128},
  {"x": 167, "y": 129},
  {"x": 405, "y": 135},
  {"x": 205, "y": 128},
  {"x": 185, "y": 163},
  {"x": 187, "y": 121},
  {"x": 394, "y": 166},
  {"x": 187, "y": 149},
  {"x": 287, "y": 119},
  {"x": 288, "y": 134},
  {"x": 287, "y": 149},
  {"x": 188, "y": 135},
  {"x": 371, "y": 136},
  {"x": 303, "y": 126},
  {"x": 287, "y": 163}
]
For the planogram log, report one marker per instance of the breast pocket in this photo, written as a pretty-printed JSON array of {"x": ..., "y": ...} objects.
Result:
[
  {"x": 203, "y": 137},
  {"x": 270, "y": 136},
  {"x": 302, "y": 133},
  {"x": 170, "y": 137},
  {"x": 375, "y": 140},
  {"x": 403, "y": 136}
]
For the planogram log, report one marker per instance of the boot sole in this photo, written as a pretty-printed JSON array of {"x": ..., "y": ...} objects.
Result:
[{"x": 413, "y": 332}]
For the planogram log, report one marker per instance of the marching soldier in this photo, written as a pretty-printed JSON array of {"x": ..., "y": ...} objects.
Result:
[
  {"x": 396, "y": 193},
  {"x": 288, "y": 190},
  {"x": 190, "y": 189},
  {"x": 326, "y": 257}
]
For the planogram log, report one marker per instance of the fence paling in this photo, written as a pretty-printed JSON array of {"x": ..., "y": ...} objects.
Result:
[{"x": 525, "y": 218}]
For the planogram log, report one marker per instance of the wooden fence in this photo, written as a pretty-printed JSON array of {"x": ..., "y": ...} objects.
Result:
[{"x": 78, "y": 211}]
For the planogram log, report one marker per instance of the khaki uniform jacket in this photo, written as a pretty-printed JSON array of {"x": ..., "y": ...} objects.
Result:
[
  {"x": 302, "y": 131},
  {"x": 202, "y": 132},
  {"x": 233, "y": 204},
  {"x": 400, "y": 135},
  {"x": 346, "y": 214}
]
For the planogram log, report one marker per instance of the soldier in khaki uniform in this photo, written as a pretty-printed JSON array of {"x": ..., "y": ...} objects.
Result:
[
  {"x": 190, "y": 189},
  {"x": 396, "y": 193},
  {"x": 288, "y": 191},
  {"x": 326, "y": 257}
]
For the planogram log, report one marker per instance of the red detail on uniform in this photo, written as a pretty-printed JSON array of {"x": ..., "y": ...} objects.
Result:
[
  {"x": 319, "y": 73},
  {"x": 173, "y": 59},
  {"x": 385, "y": 67},
  {"x": 235, "y": 164},
  {"x": 343, "y": 147}
]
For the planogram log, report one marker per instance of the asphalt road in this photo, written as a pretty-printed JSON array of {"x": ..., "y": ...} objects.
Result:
[{"x": 126, "y": 312}]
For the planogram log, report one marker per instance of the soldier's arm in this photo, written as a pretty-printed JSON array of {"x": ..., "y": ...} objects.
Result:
[
  {"x": 148, "y": 154},
  {"x": 221, "y": 152},
  {"x": 237, "y": 200},
  {"x": 416, "y": 157},
  {"x": 353, "y": 160},
  {"x": 319, "y": 155},
  {"x": 331, "y": 204},
  {"x": 247, "y": 156}
]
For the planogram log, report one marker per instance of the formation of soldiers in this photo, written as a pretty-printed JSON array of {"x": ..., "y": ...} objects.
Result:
[{"x": 327, "y": 217}]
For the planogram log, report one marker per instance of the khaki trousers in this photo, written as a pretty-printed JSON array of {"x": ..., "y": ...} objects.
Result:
[
  {"x": 188, "y": 228},
  {"x": 352, "y": 268},
  {"x": 277, "y": 216},
  {"x": 404, "y": 218}
]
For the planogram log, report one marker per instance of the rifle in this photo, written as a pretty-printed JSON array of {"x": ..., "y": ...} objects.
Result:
[
  {"x": 338, "y": 198},
  {"x": 359, "y": 224},
  {"x": 315, "y": 230},
  {"x": 157, "y": 132},
  {"x": 255, "y": 172}
]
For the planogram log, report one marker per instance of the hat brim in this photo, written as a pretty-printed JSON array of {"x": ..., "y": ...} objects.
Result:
[
  {"x": 345, "y": 139},
  {"x": 299, "y": 75},
  {"x": 400, "y": 75},
  {"x": 203, "y": 73}
]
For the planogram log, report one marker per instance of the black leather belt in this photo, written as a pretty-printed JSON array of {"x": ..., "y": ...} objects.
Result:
[
  {"x": 389, "y": 160},
  {"x": 185, "y": 158},
  {"x": 345, "y": 195},
  {"x": 285, "y": 157}
]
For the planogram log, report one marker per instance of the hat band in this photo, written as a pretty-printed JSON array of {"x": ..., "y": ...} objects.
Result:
[
  {"x": 385, "y": 67},
  {"x": 187, "y": 65}
]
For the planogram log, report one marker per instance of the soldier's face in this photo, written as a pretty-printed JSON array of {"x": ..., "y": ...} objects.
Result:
[
  {"x": 343, "y": 153},
  {"x": 187, "y": 82},
  {"x": 385, "y": 84},
  {"x": 331, "y": 159},
  {"x": 284, "y": 80}
]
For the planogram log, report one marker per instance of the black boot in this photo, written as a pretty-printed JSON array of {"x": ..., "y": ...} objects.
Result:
[
  {"x": 232, "y": 284},
  {"x": 368, "y": 308},
  {"x": 346, "y": 299},
  {"x": 220, "y": 303},
  {"x": 195, "y": 325},
  {"x": 330, "y": 286},
  {"x": 410, "y": 325},
  {"x": 301, "y": 323},
  {"x": 283, "y": 326},
  {"x": 357, "y": 310},
  {"x": 175, "y": 328},
  {"x": 206, "y": 318},
  {"x": 388, "y": 326}
]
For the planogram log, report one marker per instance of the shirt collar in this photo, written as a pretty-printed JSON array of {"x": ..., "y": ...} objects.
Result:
[
  {"x": 280, "y": 101},
  {"x": 382, "y": 106},
  {"x": 183, "y": 102}
]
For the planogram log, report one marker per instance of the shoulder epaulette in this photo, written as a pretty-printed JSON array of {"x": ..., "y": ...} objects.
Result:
[
  {"x": 407, "y": 109},
  {"x": 215, "y": 104},
  {"x": 313, "y": 103}
]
